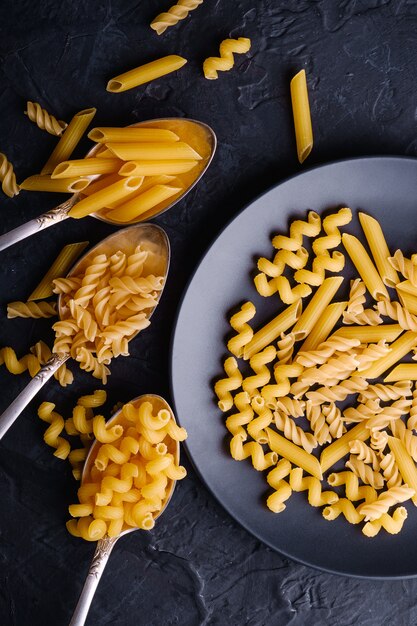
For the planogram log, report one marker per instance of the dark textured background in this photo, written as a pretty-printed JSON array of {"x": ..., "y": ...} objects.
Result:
[{"x": 198, "y": 566}]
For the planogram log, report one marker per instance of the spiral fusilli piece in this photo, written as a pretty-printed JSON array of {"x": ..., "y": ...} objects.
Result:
[
  {"x": 89, "y": 363},
  {"x": 44, "y": 120},
  {"x": 368, "y": 317},
  {"x": 405, "y": 266},
  {"x": 365, "y": 472},
  {"x": 364, "y": 453},
  {"x": 334, "y": 419},
  {"x": 356, "y": 297},
  {"x": 31, "y": 309},
  {"x": 372, "y": 352},
  {"x": 338, "y": 393},
  {"x": 362, "y": 411},
  {"x": 291, "y": 406},
  {"x": 178, "y": 12},
  {"x": 386, "y": 393},
  {"x": 389, "y": 413},
  {"x": 395, "y": 311},
  {"x": 379, "y": 440},
  {"x": 293, "y": 432},
  {"x": 228, "y": 47},
  {"x": 335, "y": 369},
  {"x": 387, "y": 499},
  {"x": 318, "y": 423},
  {"x": 8, "y": 177},
  {"x": 390, "y": 471},
  {"x": 326, "y": 350}
]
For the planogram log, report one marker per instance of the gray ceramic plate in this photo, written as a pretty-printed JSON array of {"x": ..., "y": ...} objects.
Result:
[{"x": 386, "y": 187}]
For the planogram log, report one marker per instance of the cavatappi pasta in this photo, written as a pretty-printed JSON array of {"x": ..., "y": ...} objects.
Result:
[
  {"x": 225, "y": 62},
  {"x": 301, "y": 394},
  {"x": 129, "y": 480}
]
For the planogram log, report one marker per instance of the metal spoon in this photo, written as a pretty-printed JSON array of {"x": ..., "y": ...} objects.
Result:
[
  {"x": 105, "y": 546},
  {"x": 151, "y": 236},
  {"x": 199, "y": 135}
]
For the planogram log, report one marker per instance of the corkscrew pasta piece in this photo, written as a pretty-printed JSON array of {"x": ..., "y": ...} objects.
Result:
[
  {"x": 386, "y": 499},
  {"x": 298, "y": 229},
  {"x": 236, "y": 421},
  {"x": 228, "y": 47},
  {"x": 333, "y": 238},
  {"x": 260, "y": 460},
  {"x": 405, "y": 266},
  {"x": 353, "y": 491},
  {"x": 285, "y": 348},
  {"x": 223, "y": 387},
  {"x": 365, "y": 472},
  {"x": 390, "y": 471},
  {"x": 386, "y": 393},
  {"x": 364, "y": 453},
  {"x": 334, "y": 419},
  {"x": 392, "y": 524},
  {"x": 379, "y": 440},
  {"x": 52, "y": 434},
  {"x": 282, "y": 286},
  {"x": 412, "y": 420},
  {"x": 239, "y": 323},
  {"x": 177, "y": 12},
  {"x": 321, "y": 264},
  {"x": 275, "y": 501},
  {"x": 316, "y": 497},
  {"x": 8, "y": 177},
  {"x": 293, "y": 432},
  {"x": 338, "y": 393},
  {"x": 346, "y": 508},
  {"x": 361, "y": 412},
  {"x": 14, "y": 365},
  {"x": 263, "y": 419},
  {"x": 395, "y": 311},
  {"x": 44, "y": 120},
  {"x": 31, "y": 309},
  {"x": 43, "y": 353},
  {"x": 368, "y": 317},
  {"x": 89, "y": 363},
  {"x": 258, "y": 363},
  {"x": 356, "y": 296},
  {"x": 326, "y": 350},
  {"x": 318, "y": 423},
  {"x": 283, "y": 258}
]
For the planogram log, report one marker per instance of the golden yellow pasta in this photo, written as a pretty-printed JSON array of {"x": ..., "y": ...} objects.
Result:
[
  {"x": 380, "y": 251},
  {"x": 46, "y": 183},
  {"x": 31, "y": 309},
  {"x": 145, "y": 73},
  {"x": 228, "y": 47},
  {"x": 143, "y": 202},
  {"x": 177, "y": 12},
  {"x": 365, "y": 267},
  {"x": 105, "y": 134},
  {"x": 302, "y": 116},
  {"x": 100, "y": 199},
  {"x": 317, "y": 306},
  {"x": 8, "y": 177},
  {"x": 272, "y": 330},
  {"x": 44, "y": 120},
  {"x": 85, "y": 167}
]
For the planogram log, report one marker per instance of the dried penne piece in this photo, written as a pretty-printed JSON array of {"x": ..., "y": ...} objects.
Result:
[
  {"x": 365, "y": 267},
  {"x": 317, "y": 306},
  {"x": 272, "y": 330},
  {"x": 294, "y": 453},
  {"x": 380, "y": 251},
  {"x": 69, "y": 139},
  {"x": 59, "y": 268},
  {"x": 157, "y": 168},
  {"x": 105, "y": 134},
  {"x": 399, "y": 348},
  {"x": 403, "y": 371},
  {"x": 339, "y": 448},
  {"x": 324, "y": 326},
  {"x": 302, "y": 116},
  {"x": 370, "y": 334},
  {"x": 85, "y": 167},
  {"x": 145, "y": 73},
  {"x": 100, "y": 199},
  {"x": 162, "y": 151},
  {"x": 141, "y": 203},
  {"x": 46, "y": 183},
  {"x": 405, "y": 464}
]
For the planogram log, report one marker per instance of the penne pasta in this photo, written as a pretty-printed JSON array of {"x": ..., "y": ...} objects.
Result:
[
  {"x": 399, "y": 348},
  {"x": 69, "y": 139},
  {"x": 302, "y": 116},
  {"x": 317, "y": 306},
  {"x": 148, "y": 182},
  {"x": 161, "y": 151},
  {"x": 85, "y": 167},
  {"x": 339, "y": 448},
  {"x": 324, "y": 326},
  {"x": 407, "y": 300},
  {"x": 365, "y": 267},
  {"x": 129, "y": 134},
  {"x": 370, "y": 334},
  {"x": 46, "y": 183},
  {"x": 406, "y": 286},
  {"x": 294, "y": 453},
  {"x": 59, "y": 268},
  {"x": 141, "y": 203},
  {"x": 378, "y": 246},
  {"x": 404, "y": 371},
  {"x": 272, "y": 330},
  {"x": 99, "y": 200},
  {"x": 145, "y": 73},
  {"x": 157, "y": 168},
  {"x": 101, "y": 183},
  {"x": 406, "y": 465}
]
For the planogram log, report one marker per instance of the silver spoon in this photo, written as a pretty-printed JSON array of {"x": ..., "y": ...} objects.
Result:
[
  {"x": 198, "y": 134},
  {"x": 106, "y": 545},
  {"x": 149, "y": 235}
]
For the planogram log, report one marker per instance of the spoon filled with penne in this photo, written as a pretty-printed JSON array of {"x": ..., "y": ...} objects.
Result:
[
  {"x": 128, "y": 479},
  {"x": 131, "y": 175},
  {"x": 107, "y": 298}
]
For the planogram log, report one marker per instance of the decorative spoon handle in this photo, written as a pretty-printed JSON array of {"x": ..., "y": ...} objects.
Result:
[
  {"x": 100, "y": 558},
  {"x": 12, "y": 413},
  {"x": 39, "y": 223}
]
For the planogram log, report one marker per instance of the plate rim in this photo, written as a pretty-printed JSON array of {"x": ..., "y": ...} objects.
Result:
[{"x": 190, "y": 458}]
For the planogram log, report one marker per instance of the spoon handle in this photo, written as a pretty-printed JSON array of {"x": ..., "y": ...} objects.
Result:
[
  {"x": 39, "y": 223},
  {"x": 12, "y": 413},
  {"x": 100, "y": 558}
]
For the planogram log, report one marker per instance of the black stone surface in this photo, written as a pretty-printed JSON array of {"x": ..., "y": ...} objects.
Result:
[{"x": 198, "y": 566}]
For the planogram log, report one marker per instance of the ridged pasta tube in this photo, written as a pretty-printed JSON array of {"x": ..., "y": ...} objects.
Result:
[
  {"x": 239, "y": 323},
  {"x": 44, "y": 120},
  {"x": 223, "y": 387},
  {"x": 282, "y": 286},
  {"x": 406, "y": 267},
  {"x": 352, "y": 489},
  {"x": 298, "y": 229},
  {"x": 333, "y": 237},
  {"x": 392, "y": 524},
  {"x": 31, "y": 309},
  {"x": 8, "y": 177},
  {"x": 236, "y": 421},
  {"x": 365, "y": 472},
  {"x": 318, "y": 423},
  {"x": 326, "y": 350},
  {"x": 386, "y": 393},
  {"x": 52, "y": 434},
  {"x": 364, "y": 453},
  {"x": 262, "y": 375},
  {"x": 390, "y": 471},
  {"x": 293, "y": 432},
  {"x": 338, "y": 393},
  {"x": 228, "y": 47},
  {"x": 316, "y": 497},
  {"x": 395, "y": 311},
  {"x": 178, "y": 12},
  {"x": 260, "y": 460},
  {"x": 386, "y": 499},
  {"x": 346, "y": 508}
]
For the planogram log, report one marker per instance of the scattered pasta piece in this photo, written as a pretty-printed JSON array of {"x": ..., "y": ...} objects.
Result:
[
  {"x": 8, "y": 177},
  {"x": 228, "y": 47},
  {"x": 44, "y": 120},
  {"x": 177, "y": 12},
  {"x": 302, "y": 116},
  {"x": 31, "y": 309},
  {"x": 59, "y": 268},
  {"x": 145, "y": 73}
]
